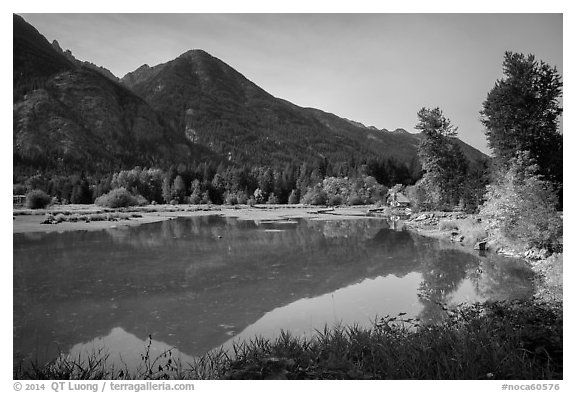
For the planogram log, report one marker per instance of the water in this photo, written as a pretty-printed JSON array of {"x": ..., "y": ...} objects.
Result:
[{"x": 200, "y": 283}]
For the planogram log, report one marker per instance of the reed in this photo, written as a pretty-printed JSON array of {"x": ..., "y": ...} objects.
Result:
[{"x": 493, "y": 340}]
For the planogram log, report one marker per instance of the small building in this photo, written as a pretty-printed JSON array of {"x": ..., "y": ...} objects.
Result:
[
  {"x": 18, "y": 200},
  {"x": 397, "y": 199}
]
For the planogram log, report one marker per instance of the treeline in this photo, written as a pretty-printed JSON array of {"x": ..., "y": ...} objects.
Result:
[
  {"x": 352, "y": 182},
  {"x": 519, "y": 195}
]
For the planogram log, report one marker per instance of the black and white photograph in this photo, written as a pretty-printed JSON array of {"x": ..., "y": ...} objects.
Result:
[{"x": 286, "y": 196}]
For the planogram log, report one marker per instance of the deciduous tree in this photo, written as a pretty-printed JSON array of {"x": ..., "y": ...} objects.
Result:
[{"x": 521, "y": 113}]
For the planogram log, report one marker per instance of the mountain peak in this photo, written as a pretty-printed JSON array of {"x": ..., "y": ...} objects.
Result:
[
  {"x": 57, "y": 46},
  {"x": 400, "y": 131},
  {"x": 196, "y": 53}
]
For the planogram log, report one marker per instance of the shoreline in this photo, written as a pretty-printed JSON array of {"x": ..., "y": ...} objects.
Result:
[
  {"x": 30, "y": 221},
  {"x": 26, "y": 221}
]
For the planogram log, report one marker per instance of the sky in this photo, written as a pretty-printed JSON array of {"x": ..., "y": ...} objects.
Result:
[{"x": 378, "y": 69}]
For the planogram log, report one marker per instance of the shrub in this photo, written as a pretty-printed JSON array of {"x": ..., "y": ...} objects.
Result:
[
  {"x": 230, "y": 198},
  {"x": 205, "y": 198},
  {"x": 354, "y": 200},
  {"x": 118, "y": 197},
  {"x": 258, "y": 195},
  {"x": 272, "y": 199},
  {"x": 447, "y": 225},
  {"x": 335, "y": 200},
  {"x": 293, "y": 198},
  {"x": 315, "y": 196},
  {"x": 195, "y": 197},
  {"x": 520, "y": 208},
  {"x": 18, "y": 189},
  {"x": 37, "y": 199},
  {"x": 141, "y": 201},
  {"x": 242, "y": 197}
]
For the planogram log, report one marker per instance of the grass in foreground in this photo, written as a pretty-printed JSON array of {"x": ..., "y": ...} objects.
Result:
[{"x": 502, "y": 340}]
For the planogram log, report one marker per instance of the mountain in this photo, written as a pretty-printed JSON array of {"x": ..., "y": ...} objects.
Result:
[
  {"x": 217, "y": 106},
  {"x": 68, "y": 54},
  {"x": 69, "y": 117},
  {"x": 72, "y": 115}
]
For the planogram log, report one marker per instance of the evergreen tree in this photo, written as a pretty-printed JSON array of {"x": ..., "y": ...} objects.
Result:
[
  {"x": 81, "y": 192},
  {"x": 521, "y": 113},
  {"x": 179, "y": 189},
  {"x": 444, "y": 165},
  {"x": 167, "y": 188}
]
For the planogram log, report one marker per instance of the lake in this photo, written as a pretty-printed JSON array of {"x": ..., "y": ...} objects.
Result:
[{"x": 200, "y": 283}]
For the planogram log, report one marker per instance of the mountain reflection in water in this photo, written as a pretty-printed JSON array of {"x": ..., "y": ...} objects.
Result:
[{"x": 199, "y": 283}]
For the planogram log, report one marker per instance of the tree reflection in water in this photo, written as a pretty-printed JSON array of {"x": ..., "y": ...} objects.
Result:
[
  {"x": 194, "y": 283},
  {"x": 444, "y": 272}
]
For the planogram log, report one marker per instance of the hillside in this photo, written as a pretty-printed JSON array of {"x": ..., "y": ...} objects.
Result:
[
  {"x": 217, "y": 106},
  {"x": 68, "y": 117}
]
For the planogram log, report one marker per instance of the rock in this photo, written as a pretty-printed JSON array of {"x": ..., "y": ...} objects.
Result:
[
  {"x": 457, "y": 237},
  {"x": 537, "y": 254},
  {"x": 481, "y": 245},
  {"x": 508, "y": 253},
  {"x": 421, "y": 217}
]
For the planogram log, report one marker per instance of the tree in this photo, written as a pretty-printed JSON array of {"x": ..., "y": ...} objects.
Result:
[
  {"x": 521, "y": 113},
  {"x": 167, "y": 188},
  {"x": 294, "y": 197},
  {"x": 81, "y": 193},
  {"x": 520, "y": 207},
  {"x": 443, "y": 163},
  {"x": 179, "y": 189},
  {"x": 37, "y": 199},
  {"x": 196, "y": 195}
]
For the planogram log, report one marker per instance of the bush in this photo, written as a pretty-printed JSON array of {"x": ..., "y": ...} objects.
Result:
[
  {"x": 118, "y": 197},
  {"x": 335, "y": 200},
  {"x": 447, "y": 225},
  {"x": 37, "y": 199},
  {"x": 141, "y": 201},
  {"x": 195, "y": 197},
  {"x": 205, "y": 198},
  {"x": 293, "y": 198},
  {"x": 520, "y": 208},
  {"x": 230, "y": 198},
  {"x": 354, "y": 200},
  {"x": 18, "y": 189},
  {"x": 242, "y": 197},
  {"x": 272, "y": 199},
  {"x": 315, "y": 196}
]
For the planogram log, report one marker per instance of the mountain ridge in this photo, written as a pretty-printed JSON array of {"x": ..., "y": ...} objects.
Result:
[
  {"x": 221, "y": 108},
  {"x": 69, "y": 117},
  {"x": 192, "y": 108},
  {"x": 68, "y": 54}
]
